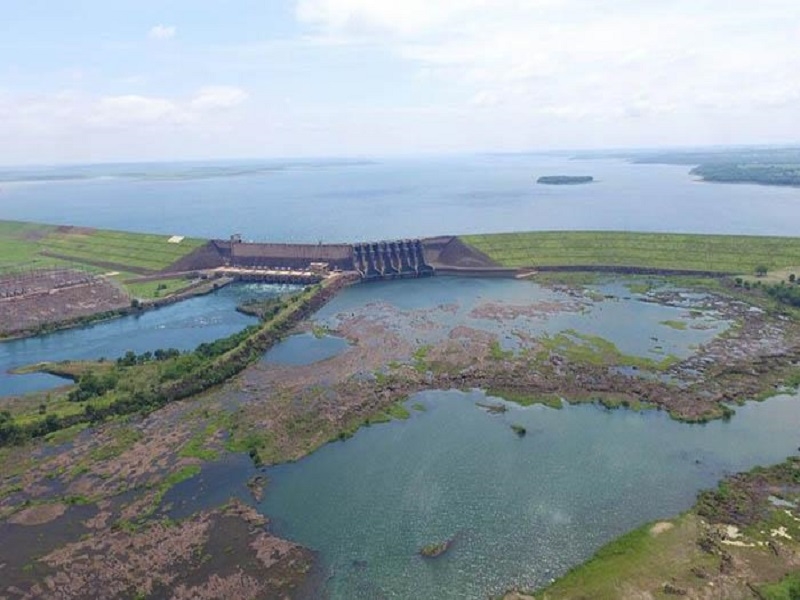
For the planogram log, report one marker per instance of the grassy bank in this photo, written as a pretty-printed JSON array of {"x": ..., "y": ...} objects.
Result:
[
  {"x": 714, "y": 253},
  {"x": 144, "y": 383},
  {"x": 31, "y": 245},
  {"x": 735, "y": 543}
]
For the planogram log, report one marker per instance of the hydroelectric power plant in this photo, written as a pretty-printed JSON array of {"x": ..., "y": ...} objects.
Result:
[{"x": 370, "y": 260}]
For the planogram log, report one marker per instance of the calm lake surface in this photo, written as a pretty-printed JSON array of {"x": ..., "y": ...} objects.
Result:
[
  {"x": 520, "y": 510},
  {"x": 184, "y": 326},
  {"x": 334, "y": 201}
]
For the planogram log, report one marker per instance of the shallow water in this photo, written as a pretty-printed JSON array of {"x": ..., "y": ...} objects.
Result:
[
  {"x": 183, "y": 326},
  {"x": 305, "y": 349},
  {"x": 427, "y": 309},
  {"x": 520, "y": 510}
]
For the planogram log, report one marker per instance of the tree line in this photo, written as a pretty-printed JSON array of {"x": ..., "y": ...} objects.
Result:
[{"x": 180, "y": 375}]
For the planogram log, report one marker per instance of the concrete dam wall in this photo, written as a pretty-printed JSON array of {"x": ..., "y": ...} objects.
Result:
[
  {"x": 371, "y": 260},
  {"x": 391, "y": 260}
]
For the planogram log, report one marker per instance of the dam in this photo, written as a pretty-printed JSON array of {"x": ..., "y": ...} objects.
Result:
[
  {"x": 391, "y": 260},
  {"x": 372, "y": 261}
]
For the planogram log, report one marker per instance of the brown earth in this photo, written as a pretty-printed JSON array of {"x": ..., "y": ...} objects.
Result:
[
  {"x": 48, "y": 297},
  {"x": 225, "y": 553}
]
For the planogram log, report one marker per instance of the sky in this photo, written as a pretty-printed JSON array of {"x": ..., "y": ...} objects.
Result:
[{"x": 118, "y": 80}]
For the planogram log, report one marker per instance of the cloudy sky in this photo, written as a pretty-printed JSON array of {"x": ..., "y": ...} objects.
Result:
[{"x": 110, "y": 80}]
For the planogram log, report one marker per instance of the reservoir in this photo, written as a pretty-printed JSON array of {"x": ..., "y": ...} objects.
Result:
[{"x": 392, "y": 198}]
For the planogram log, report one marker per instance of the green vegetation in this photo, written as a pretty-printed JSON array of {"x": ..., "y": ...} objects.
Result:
[
  {"x": 419, "y": 357},
  {"x": 640, "y": 287},
  {"x": 28, "y": 244},
  {"x": 764, "y": 174},
  {"x": 786, "y": 589},
  {"x": 684, "y": 556},
  {"x": 741, "y": 156},
  {"x": 712, "y": 253},
  {"x": 524, "y": 399},
  {"x": 519, "y": 430},
  {"x": 785, "y": 294},
  {"x": 143, "y": 383},
  {"x": 157, "y": 289},
  {"x": 196, "y": 447},
  {"x": 637, "y": 560},
  {"x": 398, "y": 411},
  {"x": 320, "y": 331},
  {"x": 496, "y": 352},
  {"x": 674, "y": 324},
  {"x": 594, "y": 350},
  {"x": 166, "y": 485},
  {"x": 124, "y": 439},
  {"x": 565, "y": 179},
  {"x": 263, "y": 309}
]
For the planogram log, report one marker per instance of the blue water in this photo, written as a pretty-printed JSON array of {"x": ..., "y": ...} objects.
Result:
[
  {"x": 182, "y": 326},
  {"x": 611, "y": 311},
  {"x": 520, "y": 510},
  {"x": 305, "y": 349},
  {"x": 397, "y": 198}
]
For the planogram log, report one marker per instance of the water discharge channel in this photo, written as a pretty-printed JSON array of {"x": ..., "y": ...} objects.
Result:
[{"x": 183, "y": 326}]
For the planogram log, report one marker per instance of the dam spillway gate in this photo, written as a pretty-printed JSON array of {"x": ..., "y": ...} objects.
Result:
[
  {"x": 391, "y": 260},
  {"x": 388, "y": 259}
]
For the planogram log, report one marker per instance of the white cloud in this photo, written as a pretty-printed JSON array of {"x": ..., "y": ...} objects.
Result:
[
  {"x": 484, "y": 98},
  {"x": 131, "y": 110},
  {"x": 580, "y": 58},
  {"x": 360, "y": 17},
  {"x": 69, "y": 111},
  {"x": 162, "y": 32},
  {"x": 218, "y": 97}
]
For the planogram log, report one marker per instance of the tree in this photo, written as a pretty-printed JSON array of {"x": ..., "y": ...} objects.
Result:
[
  {"x": 792, "y": 278},
  {"x": 761, "y": 270}
]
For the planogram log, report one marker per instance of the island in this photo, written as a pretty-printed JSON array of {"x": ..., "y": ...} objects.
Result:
[{"x": 565, "y": 179}]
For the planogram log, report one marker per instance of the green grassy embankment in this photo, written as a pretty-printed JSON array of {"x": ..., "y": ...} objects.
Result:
[
  {"x": 735, "y": 543},
  {"x": 732, "y": 254},
  {"x": 144, "y": 383},
  {"x": 128, "y": 255}
]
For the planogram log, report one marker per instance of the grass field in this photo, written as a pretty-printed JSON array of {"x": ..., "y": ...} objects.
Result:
[
  {"x": 718, "y": 253},
  {"x": 24, "y": 245},
  {"x": 640, "y": 560}
]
